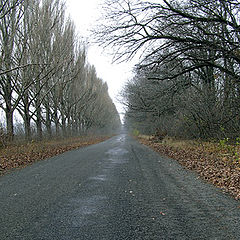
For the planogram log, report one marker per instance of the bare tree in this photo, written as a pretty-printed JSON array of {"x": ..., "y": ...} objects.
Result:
[
  {"x": 11, "y": 54},
  {"x": 190, "y": 50},
  {"x": 44, "y": 73}
]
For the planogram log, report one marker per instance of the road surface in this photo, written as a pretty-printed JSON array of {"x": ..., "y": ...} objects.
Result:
[{"x": 118, "y": 189}]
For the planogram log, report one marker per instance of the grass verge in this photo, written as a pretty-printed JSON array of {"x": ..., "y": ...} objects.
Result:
[
  {"x": 216, "y": 163},
  {"x": 21, "y": 155}
]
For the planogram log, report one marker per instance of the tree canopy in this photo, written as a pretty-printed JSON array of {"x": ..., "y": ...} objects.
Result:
[
  {"x": 44, "y": 75},
  {"x": 187, "y": 81}
]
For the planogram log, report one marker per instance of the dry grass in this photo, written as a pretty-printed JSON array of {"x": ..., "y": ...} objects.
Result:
[
  {"x": 146, "y": 137},
  {"x": 179, "y": 143},
  {"x": 21, "y": 155}
]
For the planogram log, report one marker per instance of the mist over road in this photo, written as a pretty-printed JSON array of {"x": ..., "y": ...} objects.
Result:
[{"x": 118, "y": 189}]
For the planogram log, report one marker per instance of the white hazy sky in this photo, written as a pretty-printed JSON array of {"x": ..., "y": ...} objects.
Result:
[{"x": 85, "y": 14}]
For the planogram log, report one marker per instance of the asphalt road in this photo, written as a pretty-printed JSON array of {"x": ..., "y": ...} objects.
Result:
[{"x": 117, "y": 189}]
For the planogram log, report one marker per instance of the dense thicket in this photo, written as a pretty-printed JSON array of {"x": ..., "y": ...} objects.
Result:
[
  {"x": 44, "y": 76},
  {"x": 188, "y": 80}
]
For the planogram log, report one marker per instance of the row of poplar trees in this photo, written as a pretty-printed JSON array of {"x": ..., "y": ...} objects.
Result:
[
  {"x": 187, "y": 82},
  {"x": 44, "y": 76}
]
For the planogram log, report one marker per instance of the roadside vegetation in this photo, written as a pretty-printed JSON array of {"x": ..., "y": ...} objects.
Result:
[
  {"x": 46, "y": 83},
  {"x": 51, "y": 99},
  {"x": 48, "y": 90},
  {"x": 187, "y": 79}
]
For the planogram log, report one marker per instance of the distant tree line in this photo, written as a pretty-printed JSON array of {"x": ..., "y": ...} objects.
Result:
[
  {"x": 187, "y": 82},
  {"x": 44, "y": 75}
]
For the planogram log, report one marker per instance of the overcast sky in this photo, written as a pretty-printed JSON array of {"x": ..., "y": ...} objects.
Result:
[{"x": 84, "y": 14}]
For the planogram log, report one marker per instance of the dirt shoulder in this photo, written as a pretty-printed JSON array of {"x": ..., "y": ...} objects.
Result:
[
  {"x": 216, "y": 163},
  {"x": 22, "y": 155}
]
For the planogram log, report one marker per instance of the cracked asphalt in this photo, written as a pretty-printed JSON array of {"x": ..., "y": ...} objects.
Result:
[{"x": 118, "y": 189}]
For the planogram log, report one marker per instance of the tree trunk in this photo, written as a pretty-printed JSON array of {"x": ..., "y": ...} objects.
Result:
[
  {"x": 9, "y": 110},
  {"x": 39, "y": 123},
  {"x": 27, "y": 126},
  {"x": 48, "y": 121},
  {"x": 27, "y": 123},
  {"x": 9, "y": 119},
  {"x": 26, "y": 116},
  {"x": 56, "y": 122},
  {"x": 63, "y": 124},
  {"x": 69, "y": 124},
  {"x": 38, "y": 110}
]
